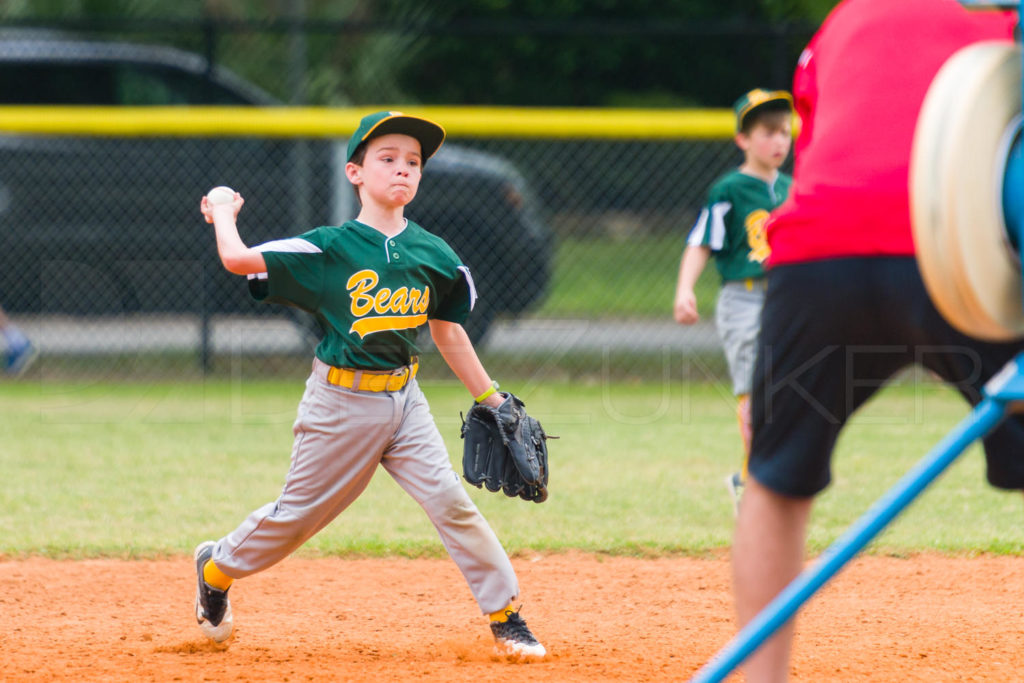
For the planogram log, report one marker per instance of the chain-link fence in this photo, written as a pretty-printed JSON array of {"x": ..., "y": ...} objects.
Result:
[
  {"x": 574, "y": 242},
  {"x": 105, "y": 261}
]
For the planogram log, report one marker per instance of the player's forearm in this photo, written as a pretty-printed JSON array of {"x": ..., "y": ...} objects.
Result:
[
  {"x": 234, "y": 254},
  {"x": 692, "y": 265},
  {"x": 457, "y": 350}
]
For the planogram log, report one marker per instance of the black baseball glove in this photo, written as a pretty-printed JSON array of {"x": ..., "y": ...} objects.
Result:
[{"x": 506, "y": 449}]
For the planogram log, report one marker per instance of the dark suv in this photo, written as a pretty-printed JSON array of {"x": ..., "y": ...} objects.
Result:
[{"x": 111, "y": 225}]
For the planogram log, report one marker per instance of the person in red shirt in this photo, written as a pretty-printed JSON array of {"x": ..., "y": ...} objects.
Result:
[{"x": 846, "y": 307}]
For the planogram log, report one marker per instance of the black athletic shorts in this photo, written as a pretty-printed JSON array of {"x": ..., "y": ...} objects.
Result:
[{"x": 832, "y": 333}]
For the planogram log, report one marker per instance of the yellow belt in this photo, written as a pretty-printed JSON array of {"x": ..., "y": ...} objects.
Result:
[
  {"x": 373, "y": 380},
  {"x": 752, "y": 282}
]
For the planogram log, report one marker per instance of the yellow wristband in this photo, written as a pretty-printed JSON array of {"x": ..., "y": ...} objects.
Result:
[{"x": 483, "y": 397}]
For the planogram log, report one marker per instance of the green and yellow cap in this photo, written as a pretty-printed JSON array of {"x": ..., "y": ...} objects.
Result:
[
  {"x": 758, "y": 97},
  {"x": 429, "y": 134}
]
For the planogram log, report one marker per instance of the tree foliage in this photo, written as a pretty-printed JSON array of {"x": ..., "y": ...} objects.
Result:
[
  {"x": 606, "y": 52},
  {"x": 503, "y": 52}
]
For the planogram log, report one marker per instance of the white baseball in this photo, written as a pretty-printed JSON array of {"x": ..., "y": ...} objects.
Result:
[{"x": 220, "y": 195}]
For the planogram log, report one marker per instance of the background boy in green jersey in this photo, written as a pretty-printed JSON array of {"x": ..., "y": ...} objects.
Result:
[
  {"x": 371, "y": 283},
  {"x": 731, "y": 228}
]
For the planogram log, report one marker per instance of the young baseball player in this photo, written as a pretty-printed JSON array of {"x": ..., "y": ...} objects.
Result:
[
  {"x": 20, "y": 351},
  {"x": 371, "y": 282},
  {"x": 846, "y": 307},
  {"x": 730, "y": 228}
]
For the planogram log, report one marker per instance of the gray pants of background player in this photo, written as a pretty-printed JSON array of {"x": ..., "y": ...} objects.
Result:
[
  {"x": 341, "y": 436},
  {"x": 738, "y": 321}
]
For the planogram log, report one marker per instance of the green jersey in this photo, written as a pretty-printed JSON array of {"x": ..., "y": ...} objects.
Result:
[
  {"x": 732, "y": 222},
  {"x": 370, "y": 292}
]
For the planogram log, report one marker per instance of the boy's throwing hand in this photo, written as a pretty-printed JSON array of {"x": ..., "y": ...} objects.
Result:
[{"x": 206, "y": 207}]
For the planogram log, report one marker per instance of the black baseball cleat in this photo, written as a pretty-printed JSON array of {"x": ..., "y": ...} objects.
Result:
[
  {"x": 213, "y": 609},
  {"x": 512, "y": 637}
]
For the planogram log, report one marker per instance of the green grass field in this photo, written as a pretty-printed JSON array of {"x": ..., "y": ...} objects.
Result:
[
  {"x": 150, "y": 469},
  {"x": 595, "y": 278}
]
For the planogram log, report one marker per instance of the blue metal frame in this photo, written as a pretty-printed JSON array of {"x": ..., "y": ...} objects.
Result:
[{"x": 1006, "y": 388}]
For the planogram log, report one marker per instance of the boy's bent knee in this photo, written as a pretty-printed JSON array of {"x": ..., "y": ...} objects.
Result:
[{"x": 452, "y": 503}]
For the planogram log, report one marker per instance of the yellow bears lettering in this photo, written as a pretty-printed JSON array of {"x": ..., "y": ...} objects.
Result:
[
  {"x": 384, "y": 301},
  {"x": 359, "y": 284},
  {"x": 756, "y": 238}
]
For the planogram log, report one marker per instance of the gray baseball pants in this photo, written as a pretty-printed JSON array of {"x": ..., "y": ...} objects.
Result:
[
  {"x": 341, "y": 436},
  {"x": 738, "y": 321}
]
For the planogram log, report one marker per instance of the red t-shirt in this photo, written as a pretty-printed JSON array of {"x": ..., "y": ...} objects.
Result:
[{"x": 858, "y": 88}]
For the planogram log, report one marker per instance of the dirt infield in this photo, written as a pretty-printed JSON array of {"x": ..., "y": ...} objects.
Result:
[{"x": 925, "y": 618}]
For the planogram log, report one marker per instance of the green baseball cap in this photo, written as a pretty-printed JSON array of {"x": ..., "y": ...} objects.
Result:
[
  {"x": 429, "y": 134},
  {"x": 758, "y": 97}
]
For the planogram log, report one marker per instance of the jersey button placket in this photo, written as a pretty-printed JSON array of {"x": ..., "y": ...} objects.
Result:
[{"x": 395, "y": 256}]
